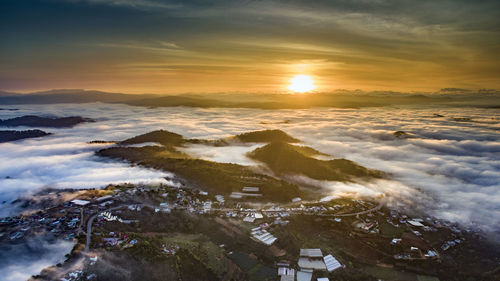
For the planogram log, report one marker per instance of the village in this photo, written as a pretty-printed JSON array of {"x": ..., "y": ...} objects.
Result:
[{"x": 105, "y": 222}]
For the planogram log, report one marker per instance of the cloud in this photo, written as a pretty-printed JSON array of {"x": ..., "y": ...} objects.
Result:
[
  {"x": 138, "y": 4},
  {"x": 21, "y": 261},
  {"x": 421, "y": 45},
  {"x": 226, "y": 154},
  {"x": 450, "y": 169}
]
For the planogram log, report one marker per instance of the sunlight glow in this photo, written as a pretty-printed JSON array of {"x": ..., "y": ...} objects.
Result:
[{"x": 301, "y": 84}]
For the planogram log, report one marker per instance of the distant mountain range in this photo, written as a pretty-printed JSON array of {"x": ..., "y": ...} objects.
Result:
[{"x": 340, "y": 98}]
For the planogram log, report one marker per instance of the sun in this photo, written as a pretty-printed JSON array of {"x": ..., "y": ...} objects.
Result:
[{"x": 301, "y": 84}]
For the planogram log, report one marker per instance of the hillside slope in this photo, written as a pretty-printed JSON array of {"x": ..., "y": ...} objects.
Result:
[
  {"x": 160, "y": 136},
  {"x": 283, "y": 158},
  {"x": 266, "y": 136}
]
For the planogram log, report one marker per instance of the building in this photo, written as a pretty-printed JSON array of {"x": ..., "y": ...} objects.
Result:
[
  {"x": 415, "y": 223},
  {"x": 80, "y": 202},
  {"x": 220, "y": 198},
  {"x": 331, "y": 263},
  {"x": 250, "y": 189},
  {"x": 287, "y": 274},
  {"x": 304, "y": 275},
  {"x": 263, "y": 236},
  {"x": 311, "y": 259},
  {"x": 103, "y": 198},
  {"x": 248, "y": 219}
]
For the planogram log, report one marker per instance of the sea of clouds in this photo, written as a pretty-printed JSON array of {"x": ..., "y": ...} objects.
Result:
[
  {"x": 450, "y": 168},
  {"x": 22, "y": 260}
]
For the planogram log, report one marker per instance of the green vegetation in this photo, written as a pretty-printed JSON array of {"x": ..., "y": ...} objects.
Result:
[
  {"x": 255, "y": 270},
  {"x": 9, "y": 135},
  {"x": 284, "y": 158},
  {"x": 389, "y": 273},
  {"x": 214, "y": 177},
  {"x": 402, "y": 135},
  {"x": 160, "y": 136},
  {"x": 390, "y": 231},
  {"x": 266, "y": 136}
]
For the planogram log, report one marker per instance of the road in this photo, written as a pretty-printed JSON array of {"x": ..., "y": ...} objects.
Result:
[
  {"x": 91, "y": 221},
  {"x": 92, "y": 218}
]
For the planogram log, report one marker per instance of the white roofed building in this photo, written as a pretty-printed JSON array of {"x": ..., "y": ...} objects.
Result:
[
  {"x": 250, "y": 189},
  {"x": 311, "y": 259},
  {"x": 304, "y": 275},
  {"x": 415, "y": 223},
  {"x": 331, "y": 263},
  {"x": 80, "y": 202}
]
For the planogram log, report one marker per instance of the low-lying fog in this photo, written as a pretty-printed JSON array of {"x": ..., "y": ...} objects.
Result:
[
  {"x": 451, "y": 167},
  {"x": 21, "y": 261}
]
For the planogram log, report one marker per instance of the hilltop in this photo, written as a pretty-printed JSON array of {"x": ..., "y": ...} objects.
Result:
[
  {"x": 266, "y": 136},
  {"x": 173, "y": 139},
  {"x": 283, "y": 158},
  {"x": 160, "y": 136},
  {"x": 6, "y": 136}
]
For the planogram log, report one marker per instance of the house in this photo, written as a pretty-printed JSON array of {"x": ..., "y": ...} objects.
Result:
[
  {"x": 395, "y": 241},
  {"x": 366, "y": 227},
  {"x": 110, "y": 241},
  {"x": 323, "y": 279},
  {"x": 415, "y": 223},
  {"x": 263, "y": 236},
  {"x": 79, "y": 202},
  {"x": 248, "y": 219},
  {"x": 304, "y": 275},
  {"x": 311, "y": 259},
  {"x": 287, "y": 274},
  {"x": 207, "y": 206},
  {"x": 331, "y": 263},
  {"x": 103, "y": 198},
  {"x": 283, "y": 271},
  {"x": 296, "y": 199},
  {"x": 250, "y": 189},
  {"x": 219, "y": 198}
]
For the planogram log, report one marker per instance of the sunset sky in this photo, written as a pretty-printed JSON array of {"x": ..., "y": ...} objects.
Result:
[{"x": 153, "y": 46}]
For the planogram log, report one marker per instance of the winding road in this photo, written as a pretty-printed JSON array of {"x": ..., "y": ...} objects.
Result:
[
  {"x": 91, "y": 221},
  {"x": 93, "y": 217}
]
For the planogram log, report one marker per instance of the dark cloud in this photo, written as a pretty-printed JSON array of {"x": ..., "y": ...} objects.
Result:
[{"x": 388, "y": 44}]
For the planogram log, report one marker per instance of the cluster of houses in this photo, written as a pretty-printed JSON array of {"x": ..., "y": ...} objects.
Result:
[
  {"x": 78, "y": 275},
  {"x": 119, "y": 239},
  {"x": 310, "y": 260},
  {"x": 62, "y": 222},
  {"x": 415, "y": 226}
]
